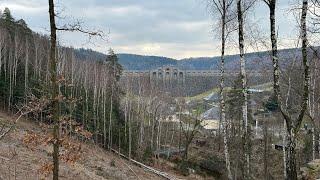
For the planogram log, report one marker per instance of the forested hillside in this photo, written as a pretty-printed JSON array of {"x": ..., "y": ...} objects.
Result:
[
  {"x": 69, "y": 113},
  {"x": 92, "y": 105},
  {"x": 256, "y": 61},
  {"x": 84, "y": 83}
]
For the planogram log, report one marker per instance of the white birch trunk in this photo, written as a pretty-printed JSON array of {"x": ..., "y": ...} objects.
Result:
[
  {"x": 130, "y": 129},
  {"x": 110, "y": 119},
  {"x": 222, "y": 101},
  {"x": 244, "y": 87},
  {"x": 284, "y": 149}
]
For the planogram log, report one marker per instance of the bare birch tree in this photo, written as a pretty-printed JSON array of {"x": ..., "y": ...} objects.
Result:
[
  {"x": 244, "y": 87},
  {"x": 223, "y": 8},
  {"x": 292, "y": 124}
]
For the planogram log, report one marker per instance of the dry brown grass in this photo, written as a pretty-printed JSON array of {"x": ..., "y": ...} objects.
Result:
[{"x": 17, "y": 161}]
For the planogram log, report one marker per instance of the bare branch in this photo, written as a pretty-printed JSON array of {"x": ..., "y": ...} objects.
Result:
[{"x": 77, "y": 27}]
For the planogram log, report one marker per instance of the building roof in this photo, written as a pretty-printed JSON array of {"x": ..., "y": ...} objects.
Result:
[
  {"x": 212, "y": 97},
  {"x": 255, "y": 90},
  {"x": 211, "y": 114}
]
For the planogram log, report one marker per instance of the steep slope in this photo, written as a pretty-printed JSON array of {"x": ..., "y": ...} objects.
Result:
[{"x": 17, "y": 161}]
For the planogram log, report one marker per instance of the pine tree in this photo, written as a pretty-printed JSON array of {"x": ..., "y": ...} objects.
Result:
[{"x": 7, "y": 15}]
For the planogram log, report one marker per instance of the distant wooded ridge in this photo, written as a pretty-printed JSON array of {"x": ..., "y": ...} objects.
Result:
[
  {"x": 256, "y": 61},
  {"x": 259, "y": 61}
]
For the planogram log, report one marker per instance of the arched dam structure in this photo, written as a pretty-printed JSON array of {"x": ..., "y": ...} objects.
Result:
[{"x": 180, "y": 82}]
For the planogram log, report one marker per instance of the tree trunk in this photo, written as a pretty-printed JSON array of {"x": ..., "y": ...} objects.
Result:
[
  {"x": 294, "y": 127},
  {"x": 284, "y": 149},
  {"x": 180, "y": 128},
  {"x": 104, "y": 119},
  {"x": 312, "y": 110},
  {"x": 186, "y": 151},
  {"x": 110, "y": 120},
  {"x": 318, "y": 144},
  {"x": 26, "y": 72},
  {"x": 130, "y": 129},
  {"x": 222, "y": 101},
  {"x": 54, "y": 91},
  {"x": 291, "y": 157},
  {"x": 313, "y": 144},
  {"x": 266, "y": 152},
  {"x": 273, "y": 36},
  {"x": 244, "y": 90}
]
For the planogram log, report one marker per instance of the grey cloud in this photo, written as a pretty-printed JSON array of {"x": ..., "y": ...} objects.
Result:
[{"x": 174, "y": 27}]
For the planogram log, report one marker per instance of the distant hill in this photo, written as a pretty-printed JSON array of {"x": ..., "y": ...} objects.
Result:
[
  {"x": 139, "y": 62},
  {"x": 255, "y": 61}
]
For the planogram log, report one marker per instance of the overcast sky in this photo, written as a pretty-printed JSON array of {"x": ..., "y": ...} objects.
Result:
[{"x": 172, "y": 28}]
